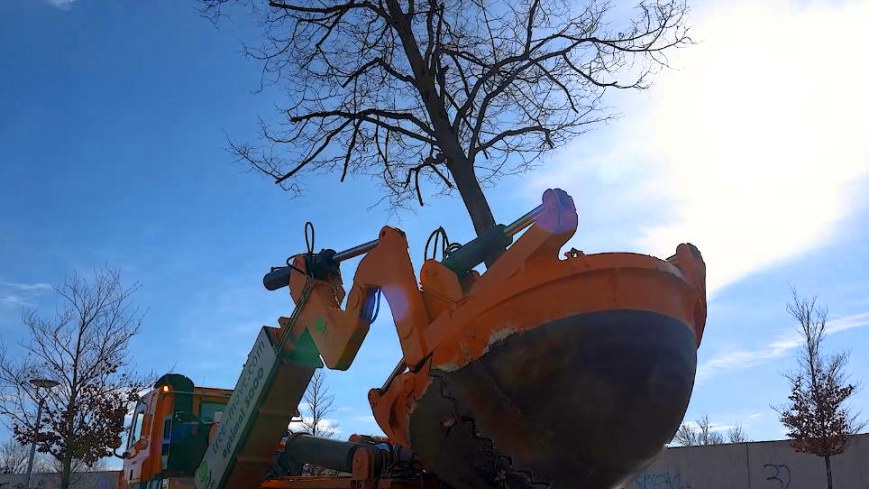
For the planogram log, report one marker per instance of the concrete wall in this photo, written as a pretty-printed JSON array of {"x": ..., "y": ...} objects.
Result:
[
  {"x": 83, "y": 480},
  {"x": 757, "y": 465}
]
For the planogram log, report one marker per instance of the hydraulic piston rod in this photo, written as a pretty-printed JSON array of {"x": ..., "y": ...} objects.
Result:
[
  {"x": 280, "y": 277},
  {"x": 355, "y": 251},
  {"x": 460, "y": 261},
  {"x": 523, "y": 222},
  {"x": 475, "y": 251}
]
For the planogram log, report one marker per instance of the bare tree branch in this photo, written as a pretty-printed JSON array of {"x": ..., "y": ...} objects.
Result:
[
  {"x": 737, "y": 434},
  {"x": 373, "y": 87},
  {"x": 84, "y": 348},
  {"x": 13, "y": 457},
  {"x": 701, "y": 433},
  {"x": 319, "y": 405}
]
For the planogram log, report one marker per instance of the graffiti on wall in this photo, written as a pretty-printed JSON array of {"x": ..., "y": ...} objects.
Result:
[
  {"x": 658, "y": 480},
  {"x": 779, "y": 475}
]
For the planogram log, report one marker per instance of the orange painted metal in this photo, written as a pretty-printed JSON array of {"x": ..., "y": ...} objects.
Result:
[
  {"x": 339, "y": 333},
  {"x": 143, "y": 462},
  {"x": 447, "y": 321},
  {"x": 528, "y": 286}
]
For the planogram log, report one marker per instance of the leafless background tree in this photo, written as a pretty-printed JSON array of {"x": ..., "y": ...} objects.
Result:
[
  {"x": 13, "y": 457},
  {"x": 447, "y": 93},
  {"x": 737, "y": 434},
  {"x": 320, "y": 404},
  {"x": 85, "y": 349},
  {"x": 817, "y": 416},
  {"x": 701, "y": 433}
]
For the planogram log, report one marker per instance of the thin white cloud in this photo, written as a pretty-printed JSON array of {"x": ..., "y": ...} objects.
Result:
[
  {"x": 712, "y": 426},
  {"x": 13, "y": 294},
  {"x": 15, "y": 300},
  {"x": 26, "y": 287},
  {"x": 324, "y": 426},
  {"x": 368, "y": 419},
  {"x": 62, "y": 4},
  {"x": 848, "y": 322},
  {"x": 755, "y": 150},
  {"x": 755, "y": 415},
  {"x": 742, "y": 359}
]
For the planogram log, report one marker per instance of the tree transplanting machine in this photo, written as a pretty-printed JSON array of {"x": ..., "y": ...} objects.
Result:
[{"x": 545, "y": 371}]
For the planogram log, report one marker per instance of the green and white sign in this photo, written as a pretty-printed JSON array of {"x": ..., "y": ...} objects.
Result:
[{"x": 238, "y": 415}]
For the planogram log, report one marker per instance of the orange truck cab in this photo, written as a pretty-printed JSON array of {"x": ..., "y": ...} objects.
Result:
[{"x": 169, "y": 433}]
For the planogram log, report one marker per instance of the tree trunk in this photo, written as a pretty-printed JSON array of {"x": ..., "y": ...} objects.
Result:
[
  {"x": 476, "y": 203},
  {"x": 472, "y": 195},
  {"x": 66, "y": 469},
  {"x": 461, "y": 168},
  {"x": 829, "y": 472}
]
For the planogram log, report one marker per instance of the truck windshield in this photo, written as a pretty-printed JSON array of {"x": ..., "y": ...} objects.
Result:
[
  {"x": 188, "y": 436},
  {"x": 208, "y": 409},
  {"x": 138, "y": 417}
]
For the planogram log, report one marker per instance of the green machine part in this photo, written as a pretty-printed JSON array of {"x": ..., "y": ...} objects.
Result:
[{"x": 265, "y": 398}]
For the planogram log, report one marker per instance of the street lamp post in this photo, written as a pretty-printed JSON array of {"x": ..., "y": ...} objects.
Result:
[{"x": 45, "y": 384}]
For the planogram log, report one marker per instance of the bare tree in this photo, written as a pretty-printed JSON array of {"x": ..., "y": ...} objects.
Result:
[
  {"x": 84, "y": 348},
  {"x": 13, "y": 457},
  {"x": 320, "y": 404},
  {"x": 451, "y": 93},
  {"x": 702, "y": 433},
  {"x": 686, "y": 436},
  {"x": 707, "y": 435},
  {"x": 737, "y": 434},
  {"x": 817, "y": 417}
]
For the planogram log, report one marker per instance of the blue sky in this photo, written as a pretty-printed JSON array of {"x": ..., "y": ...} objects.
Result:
[{"x": 112, "y": 131}]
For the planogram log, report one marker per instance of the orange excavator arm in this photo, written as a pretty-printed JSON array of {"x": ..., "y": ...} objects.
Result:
[
  {"x": 489, "y": 362},
  {"x": 338, "y": 333},
  {"x": 316, "y": 286}
]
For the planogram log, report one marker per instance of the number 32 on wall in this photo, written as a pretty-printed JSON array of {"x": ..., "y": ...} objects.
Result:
[{"x": 780, "y": 474}]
